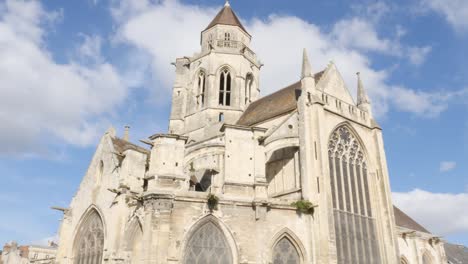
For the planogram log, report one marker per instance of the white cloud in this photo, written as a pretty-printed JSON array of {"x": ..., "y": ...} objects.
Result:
[
  {"x": 441, "y": 213},
  {"x": 43, "y": 101},
  {"x": 168, "y": 29},
  {"x": 446, "y": 166},
  {"x": 454, "y": 11}
]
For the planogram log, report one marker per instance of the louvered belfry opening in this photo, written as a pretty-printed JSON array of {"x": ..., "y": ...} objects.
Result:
[
  {"x": 90, "y": 241},
  {"x": 208, "y": 245},
  {"x": 355, "y": 228}
]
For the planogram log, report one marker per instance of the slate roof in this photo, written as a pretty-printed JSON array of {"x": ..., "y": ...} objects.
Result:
[
  {"x": 226, "y": 17},
  {"x": 456, "y": 254},
  {"x": 403, "y": 220},
  {"x": 121, "y": 146},
  {"x": 273, "y": 105}
]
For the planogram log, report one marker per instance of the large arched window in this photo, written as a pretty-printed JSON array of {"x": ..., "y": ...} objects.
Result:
[
  {"x": 285, "y": 252},
  {"x": 89, "y": 242},
  {"x": 248, "y": 88},
  {"x": 225, "y": 88},
  {"x": 208, "y": 245},
  {"x": 201, "y": 88},
  {"x": 282, "y": 171},
  {"x": 355, "y": 228}
]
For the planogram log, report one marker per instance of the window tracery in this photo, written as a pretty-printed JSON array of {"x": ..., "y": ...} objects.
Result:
[
  {"x": 90, "y": 241},
  {"x": 285, "y": 252},
  {"x": 208, "y": 245},
  {"x": 355, "y": 229}
]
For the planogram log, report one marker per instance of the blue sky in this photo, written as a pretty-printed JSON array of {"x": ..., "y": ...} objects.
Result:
[{"x": 71, "y": 69}]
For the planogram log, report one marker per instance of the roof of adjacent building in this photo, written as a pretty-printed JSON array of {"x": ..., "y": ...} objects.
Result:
[
  {"x": 121, "y": 146},
  {"x": 456, "y": 254},
  {"x": 403, "y": 220},
  {"x": 226, "y": 17},
  {"x": 276, "y": 104}
]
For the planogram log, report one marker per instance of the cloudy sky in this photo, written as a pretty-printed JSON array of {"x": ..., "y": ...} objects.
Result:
[{"x": 71, "y": 69}]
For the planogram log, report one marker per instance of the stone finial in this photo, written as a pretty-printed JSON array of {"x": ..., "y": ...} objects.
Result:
[
  {"x": 127, "y": 133},
  {"x": 362, "y": 97},
  {"x": 306, "y": 68},
  {"x": 227, "y": 3}
]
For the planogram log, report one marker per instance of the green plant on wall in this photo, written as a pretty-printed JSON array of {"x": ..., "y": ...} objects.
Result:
[
  {"x": 303, "y": 206},
  {"x": 213, "y": 201}
]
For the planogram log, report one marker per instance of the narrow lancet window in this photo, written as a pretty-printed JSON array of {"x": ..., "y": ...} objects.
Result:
[
  {"x": 248, "y": 88},
  {"x": 225, "y": 88},
  {"x": 201, "y": 88}
]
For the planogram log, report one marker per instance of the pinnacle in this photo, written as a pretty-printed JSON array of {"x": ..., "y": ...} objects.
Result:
[{"x": 306, "y": 68}]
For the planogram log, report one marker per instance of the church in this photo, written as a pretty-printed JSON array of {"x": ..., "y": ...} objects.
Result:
[{"x": 298, "y": 176}]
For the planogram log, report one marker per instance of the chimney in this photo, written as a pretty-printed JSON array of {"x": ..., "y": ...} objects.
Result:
[{"x": 126, "y": 133}]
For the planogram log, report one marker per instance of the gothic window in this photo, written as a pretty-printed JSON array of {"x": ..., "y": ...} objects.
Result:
[
  {"x": 285, "y": 252},
  {"x": 248, "y": 88},
  {"x": 201, "y": 88},
  {"x": 89, "y": 242},
  {"x": 208, "y": 245},
  {"x": 355, "y": 228},
  {"x": 282, "y": 171},
  {"x": 225, "y": 88},
  {"x": 427, "y": 259},
  {"x": 227, "y": 36}
]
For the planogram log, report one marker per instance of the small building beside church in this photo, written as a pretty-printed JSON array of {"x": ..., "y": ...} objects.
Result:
[{"x": 298, "y": 176}]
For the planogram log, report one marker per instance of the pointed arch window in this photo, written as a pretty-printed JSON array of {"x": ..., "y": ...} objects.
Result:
[
  {"x": 285, "y": 252},
  {"x": 89, "y": 242},
  {"x": 201, "y": 89},
  {"x": 355, "y": 228},
  {"x": 208, "y": 245},
  {"x": 427, "y": 259},
  {"x": 248, "y": 88},
  {"x": 225, "y": 88}
]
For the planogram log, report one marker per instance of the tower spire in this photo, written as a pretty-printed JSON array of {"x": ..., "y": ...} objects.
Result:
[
  {"x": 306, "y": 68},
  {"x": 362, "y": 97}
]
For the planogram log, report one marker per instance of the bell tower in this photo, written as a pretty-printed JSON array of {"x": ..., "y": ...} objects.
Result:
[{"x": 217, "y": 84}]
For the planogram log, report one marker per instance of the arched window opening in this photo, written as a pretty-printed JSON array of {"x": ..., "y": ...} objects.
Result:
[
  {"x": 403, "y": 260},
  {"x": 225, "y": 88},
  {"x": 248, "y": 88},
  {"x": 355, "y": 228},
  {"x": 100, "y": 172},
  {"x": 201, "y": 88},
  {"x": 89, "y": 242},
  {"x": 283, "y": 171},
  {"x": 285, "y": 252},
  {"x": 427, "y": 259},
  {"x": 208, "y": 245},
  {"x": 227, "y": 36}
]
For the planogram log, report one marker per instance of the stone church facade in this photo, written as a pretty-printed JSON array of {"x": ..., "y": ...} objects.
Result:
[{"x": 298, "y": 176}]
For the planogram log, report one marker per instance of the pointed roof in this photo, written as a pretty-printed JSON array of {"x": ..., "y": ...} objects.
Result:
[
  {"x": 226, "y": 17},
  {"x": 403, "y": 220},
  {"x": 276, "y": 104}
]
